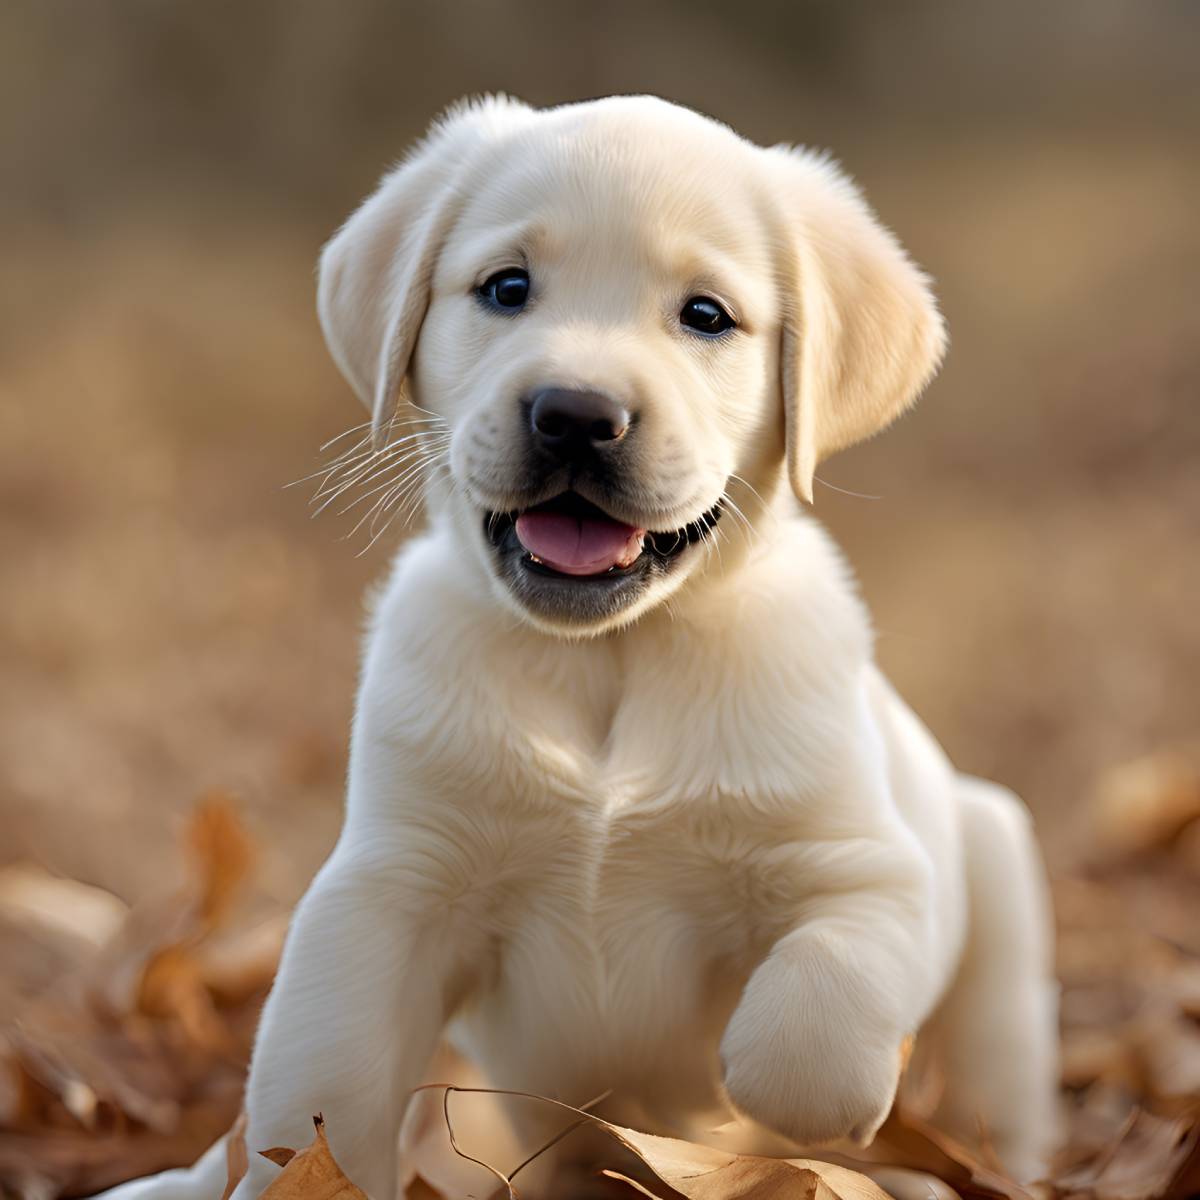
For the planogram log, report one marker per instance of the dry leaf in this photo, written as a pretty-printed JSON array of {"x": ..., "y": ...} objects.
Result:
[
  {"x": 908, "y": 1141},
  {"x": 1143, "y": 804},
  {"x": 311, "y": 1174},
  {"x": 237, "y": 1160},
  {"x": 1187, "y": 848},
  {"x": 176, "y": 925},
  {"x": 743, "y": 1175},
  {"x": 32, "y": 897},
  {"x": 129, "y": 1063},
  {"x": 704, "y": 1173},
  {"x": 172, "y": 988},
  {"x": 134, "y": 1061},
  {"x": 1154, "y": 1158},
  {"x": 223, "y": 855},
  {"x": 79, "y": 1163},
  {"x": 420, "y": 1189},
  {"x": 234, "y": 965}
]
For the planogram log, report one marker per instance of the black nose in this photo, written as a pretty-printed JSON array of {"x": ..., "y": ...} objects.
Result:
[{"x": 567, "y": 421}]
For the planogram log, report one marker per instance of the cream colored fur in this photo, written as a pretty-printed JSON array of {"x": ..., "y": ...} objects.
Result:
[{"x": 699, "y": 853}]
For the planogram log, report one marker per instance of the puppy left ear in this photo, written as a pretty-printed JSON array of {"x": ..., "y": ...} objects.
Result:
[
  {"x": 862, "y": 334},
  {"x": 375, "y": 273}
]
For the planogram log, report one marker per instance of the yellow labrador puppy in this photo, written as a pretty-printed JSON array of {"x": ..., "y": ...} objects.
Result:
[{"x": 630, "y": 807}]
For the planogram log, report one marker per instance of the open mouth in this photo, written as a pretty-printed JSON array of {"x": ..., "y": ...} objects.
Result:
[{"x": 570, "y": 538}]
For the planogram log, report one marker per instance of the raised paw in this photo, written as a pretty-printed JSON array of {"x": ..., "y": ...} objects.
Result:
[{"x": 807, "y": 1058}]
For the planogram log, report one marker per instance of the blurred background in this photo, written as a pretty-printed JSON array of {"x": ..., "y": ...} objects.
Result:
[{"x": 172, "y": 620}]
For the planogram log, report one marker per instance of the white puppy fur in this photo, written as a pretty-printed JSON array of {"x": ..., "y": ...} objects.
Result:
[{"x": 686, "y": 844}]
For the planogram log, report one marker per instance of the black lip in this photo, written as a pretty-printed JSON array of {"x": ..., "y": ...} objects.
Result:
[{"x": 658, "y": 548}]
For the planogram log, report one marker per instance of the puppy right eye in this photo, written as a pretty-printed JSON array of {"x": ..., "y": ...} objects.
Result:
[{"x": 506, "y": 290}]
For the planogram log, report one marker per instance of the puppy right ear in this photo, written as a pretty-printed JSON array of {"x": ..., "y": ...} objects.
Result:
[{"x": 374, "y": 275}]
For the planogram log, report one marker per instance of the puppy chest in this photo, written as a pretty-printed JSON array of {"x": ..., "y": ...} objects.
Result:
[
  {"x": 621, "y": 969},
  {"x": 617, "y": 909}
]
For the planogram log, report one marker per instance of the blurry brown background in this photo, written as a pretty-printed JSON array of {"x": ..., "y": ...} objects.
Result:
[{"x": 170, "y": 618}]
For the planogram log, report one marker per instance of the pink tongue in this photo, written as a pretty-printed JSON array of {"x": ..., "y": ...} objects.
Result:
[{"x": 579, "y": 545}]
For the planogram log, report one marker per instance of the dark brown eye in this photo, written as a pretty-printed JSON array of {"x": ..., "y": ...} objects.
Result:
[
  {"x": 506, "y": 290},
  {"x": 705, "y": 315}
]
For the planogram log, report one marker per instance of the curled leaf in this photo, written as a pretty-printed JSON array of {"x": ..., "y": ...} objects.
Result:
[
  {"x": 701, "y": 1173},
  {"x": 311, "y": 1173},
  {"x": 236, "y": 1159}
]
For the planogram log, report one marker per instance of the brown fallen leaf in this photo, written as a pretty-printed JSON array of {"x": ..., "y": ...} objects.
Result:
[
  {"x": 421, "y": 1189},
  {"x": 908, "y": 1141},
  {"x": 237, "y": 1160},
  {"x": 172, "y": 988},
  {"x": 1187, "y": 847},
  {"x": 223, "y": 855},
  {"x": 702, "y": 1172},
  {"x": 1101, "y": 1055},
  {"x": 1155, "y": 1158},
  {"x": 311, "y": 1173},
  {"x": 235, "y": 964},
  {"x": 127, "y": 974},
  {"x": 1143, "y": 804},
  {"x": 31, "y": 896},
  {"x": 129, "y": 1061},
  {"x": 79, "y": 1162}
]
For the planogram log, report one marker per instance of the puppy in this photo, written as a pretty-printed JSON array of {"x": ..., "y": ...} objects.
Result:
[{"x": 630, "y": 808}]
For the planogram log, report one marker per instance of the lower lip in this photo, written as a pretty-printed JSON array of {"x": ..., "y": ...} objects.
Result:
[{"x": 531, "y": 563}]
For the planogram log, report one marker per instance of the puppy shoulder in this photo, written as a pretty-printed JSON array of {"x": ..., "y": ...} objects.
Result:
[
  {"x": 415, "y": 608},
  {"x": 807, "y": 586}
]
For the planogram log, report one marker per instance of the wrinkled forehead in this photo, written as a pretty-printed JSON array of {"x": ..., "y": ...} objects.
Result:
[{"x": 618, "y": 195}]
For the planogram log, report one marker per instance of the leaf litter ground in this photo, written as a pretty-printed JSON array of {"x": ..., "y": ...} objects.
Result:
[{"x": 128, "y": 1052}]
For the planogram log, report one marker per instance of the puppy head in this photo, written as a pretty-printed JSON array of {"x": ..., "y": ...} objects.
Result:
[{"x": 619, "y": 320}]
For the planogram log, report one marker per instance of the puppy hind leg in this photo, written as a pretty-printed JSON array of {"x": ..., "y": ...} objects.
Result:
[{"x": 995, "y": 1035}]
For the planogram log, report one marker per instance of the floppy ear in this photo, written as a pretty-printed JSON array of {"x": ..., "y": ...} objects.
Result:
[
  {"x": 375, "y": 273},
  {"x": 862, "y": 335}
]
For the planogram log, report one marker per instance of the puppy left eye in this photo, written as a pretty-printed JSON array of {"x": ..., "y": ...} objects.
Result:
[
  {"x": 705, "y": 315},
  {"x": 506, "y": 290}
]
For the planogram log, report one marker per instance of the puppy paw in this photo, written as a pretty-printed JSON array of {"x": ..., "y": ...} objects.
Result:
[{"x": 809, "y": 1054}]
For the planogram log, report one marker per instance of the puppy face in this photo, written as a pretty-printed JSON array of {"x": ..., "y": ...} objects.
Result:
[
  {"x": 611, "y": 310},
  {"x": 594, "y": 341}
]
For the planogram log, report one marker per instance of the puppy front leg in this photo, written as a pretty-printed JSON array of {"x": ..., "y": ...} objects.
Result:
[
  {"x": 352, "y": 1021},
  {"x": 813, "y": 1050}
]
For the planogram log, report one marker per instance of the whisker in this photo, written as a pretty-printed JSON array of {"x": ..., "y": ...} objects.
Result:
[
  {"x": 418, "y": 494},
  {"x": 363, "y": 473},
  {"x": 406, "y": 468},
  {"x": 366, "y": 516},
  {"x": 751, "y": 489},
  {"x": 362, "y": 457},
  {"x": 393, "y": 452},
  {"x": 353, "y": 429},
  {"x": 333, "y": 491},
  {"x": 433, "y": 416},
  {"x": 748, "y": 530},
  {"x": 708, "y": 538},
  {"x": 833, "y": 487},
  {"x": 409, "y": 477},
  {"x": 409, "y": 495},
  {"x": 342, "y": 460}
]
